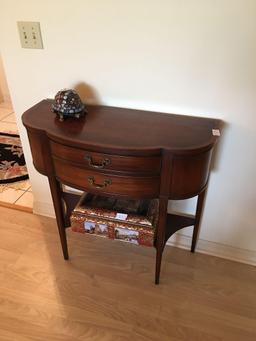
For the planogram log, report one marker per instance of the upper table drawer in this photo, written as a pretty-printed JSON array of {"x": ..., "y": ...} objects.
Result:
[{"x": 92, "y": 160}]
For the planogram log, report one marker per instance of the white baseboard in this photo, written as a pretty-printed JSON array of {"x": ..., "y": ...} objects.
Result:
[
  {"x": 181, "y": 241},
  {"x": 44, "y": 208},
  {"x": 215, "y": 249}
]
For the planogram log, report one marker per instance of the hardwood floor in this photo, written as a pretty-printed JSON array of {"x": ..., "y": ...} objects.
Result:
[{"x": 106, "y": 290}]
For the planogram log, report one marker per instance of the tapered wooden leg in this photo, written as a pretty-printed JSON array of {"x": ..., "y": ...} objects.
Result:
[
  {"x": 56, "y": 196},
  {"x": 160, "y": 238},
  {"x": 159, "y": 253},
  {"x": 199, "y": 209}
]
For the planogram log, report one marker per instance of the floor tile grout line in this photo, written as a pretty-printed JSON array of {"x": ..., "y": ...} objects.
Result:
[
  {"x": 10, "y": 186},
  {"x": 9, "y": 122},
  {"x": 15, "y": 202},
  {"x": 6, "y": 115},
  {"x": 4, "y": 121},
  {"x": 19, "y": 197},
  {"x": 22, "y": 196},
  {"x": 27, "y": 190},
  {"x": 23, "y": 205},
  {"x": 17, "y": 189},
  {"x": 14, "y": 132},
  {"x": 13, "y": 126}
]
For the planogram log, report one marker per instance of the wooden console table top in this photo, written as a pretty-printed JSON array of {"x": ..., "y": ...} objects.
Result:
[{"x": 112, "y": 128}]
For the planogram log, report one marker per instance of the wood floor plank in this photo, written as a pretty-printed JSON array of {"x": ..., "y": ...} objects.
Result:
[{"x": 106, "y": 290}]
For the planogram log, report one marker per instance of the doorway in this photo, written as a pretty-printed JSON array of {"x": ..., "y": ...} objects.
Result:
[{"x": 15, "y": 189}]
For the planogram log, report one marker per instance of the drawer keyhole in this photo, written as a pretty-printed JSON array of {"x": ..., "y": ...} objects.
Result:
[{"x": 101, "y": 165}]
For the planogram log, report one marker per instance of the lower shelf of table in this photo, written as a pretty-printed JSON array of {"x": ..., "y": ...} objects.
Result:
[{"x": 175, "y": 222}]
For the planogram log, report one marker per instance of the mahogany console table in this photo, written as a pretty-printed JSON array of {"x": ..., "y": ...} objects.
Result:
[{"x": 123, "y": 152}]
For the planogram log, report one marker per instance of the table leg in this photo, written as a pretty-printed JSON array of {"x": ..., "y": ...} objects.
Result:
[
  {"x": 199, "y": 209},
  {"x": 160, "y": 236},
  {"x": 58, "y": 207}
]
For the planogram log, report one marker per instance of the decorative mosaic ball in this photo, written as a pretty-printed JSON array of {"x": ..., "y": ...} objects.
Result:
[{"x": 67, "y": 103}]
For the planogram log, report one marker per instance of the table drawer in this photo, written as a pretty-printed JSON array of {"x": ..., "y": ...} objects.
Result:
[
  {"x": 99, "y": 161},
  {"x": 99, "y": 182}
]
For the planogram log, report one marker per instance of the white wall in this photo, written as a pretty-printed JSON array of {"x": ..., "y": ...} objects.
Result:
[
  {"x": 183, "y": 56},
  {"x": 4, "y": 91}
]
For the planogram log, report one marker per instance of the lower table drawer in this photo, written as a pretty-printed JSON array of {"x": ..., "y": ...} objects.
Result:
[{"x": 98, "y": 182}]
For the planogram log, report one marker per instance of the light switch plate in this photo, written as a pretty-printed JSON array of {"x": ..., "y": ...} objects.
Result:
[{"x": 30, "y": 34}]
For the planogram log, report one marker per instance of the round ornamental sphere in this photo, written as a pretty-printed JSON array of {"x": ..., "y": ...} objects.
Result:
[{"x": 67, "y": 103}]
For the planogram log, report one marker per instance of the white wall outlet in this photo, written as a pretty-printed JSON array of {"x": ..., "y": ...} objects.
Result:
[{"x": 30, "y": 34}]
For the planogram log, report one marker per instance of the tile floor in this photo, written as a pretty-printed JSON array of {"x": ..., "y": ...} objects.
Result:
[{"x": 18, "y": 194}]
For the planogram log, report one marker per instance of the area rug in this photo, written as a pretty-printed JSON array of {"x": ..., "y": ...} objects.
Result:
[{"x": 12, "y": 163}]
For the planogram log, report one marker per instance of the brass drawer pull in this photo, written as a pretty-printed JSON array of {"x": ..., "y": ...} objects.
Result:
[
  {"x": 104, "y": 162},
  {"x": 106, "y": 183}
]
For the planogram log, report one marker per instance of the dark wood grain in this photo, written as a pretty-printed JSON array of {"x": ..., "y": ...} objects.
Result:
[
  {"x": 38, "y": 150},
  {"x": 124, "y": 152},
  {"x": 148, "y": 164},
  {"x": 189, "y": 175},
  {"x": 133, "y": 186},
  {"x": 124, "y": 130}
]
